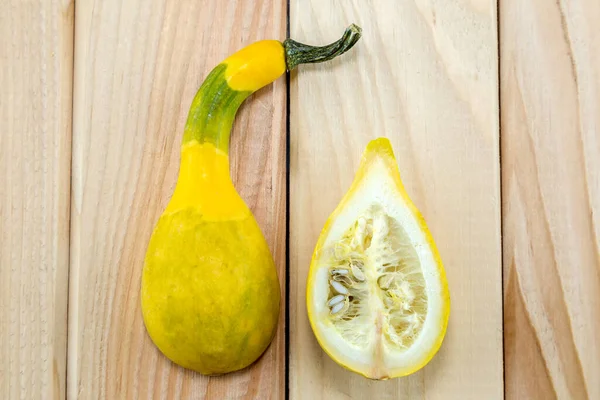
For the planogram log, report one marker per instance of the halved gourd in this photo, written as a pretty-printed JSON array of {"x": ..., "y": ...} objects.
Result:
[{"x": 377, "y": 296}]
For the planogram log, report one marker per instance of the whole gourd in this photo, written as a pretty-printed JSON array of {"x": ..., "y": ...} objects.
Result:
[{"x": 210, "y": 293}]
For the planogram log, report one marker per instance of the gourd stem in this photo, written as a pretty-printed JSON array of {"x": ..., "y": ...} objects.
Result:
[{"x": 297, "y": 53}]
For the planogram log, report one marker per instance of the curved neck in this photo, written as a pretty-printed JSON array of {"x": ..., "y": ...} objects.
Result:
[
  {"x": 214, "y": 107},
  {"x": 213, "y": 110}
]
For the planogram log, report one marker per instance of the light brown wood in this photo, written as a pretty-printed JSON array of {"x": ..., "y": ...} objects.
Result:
[
  {"x": 36, "y": 59},
  {"x": 137, "y": 67},
  {"x": 425, "y": 75},
  {"x": 550, "y": 75}
]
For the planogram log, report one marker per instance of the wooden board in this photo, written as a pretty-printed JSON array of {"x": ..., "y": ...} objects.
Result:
[
  {"x": 425, "y": 75},
  {"x": 550, "y": 74},
  {"x": 137, "y": 67},
  {"x": 36, "y": 59}
]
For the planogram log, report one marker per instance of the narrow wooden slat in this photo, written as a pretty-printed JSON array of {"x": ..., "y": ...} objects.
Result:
[
  {"x": 36, "y": 59},
  {"x": 424, "y": 75},
  {"x": 550, "y": 91},
  {"x": 138, "y": 65}
]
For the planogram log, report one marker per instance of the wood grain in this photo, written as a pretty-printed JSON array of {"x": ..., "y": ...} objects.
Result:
[
  {"x": 550, "y": 74},
  {"x": 36, "y": 58},
  {"x": 137, "y": 67},
  {"x": 425, "y": 75}
]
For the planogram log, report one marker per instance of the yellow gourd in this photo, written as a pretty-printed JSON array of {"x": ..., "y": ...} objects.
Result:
[
  {"x": 377, "y": 296},
  {"x": 210, "y": 293}
]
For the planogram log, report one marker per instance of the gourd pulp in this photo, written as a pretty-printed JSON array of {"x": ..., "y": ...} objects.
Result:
[{"x": 210, "y": 292}]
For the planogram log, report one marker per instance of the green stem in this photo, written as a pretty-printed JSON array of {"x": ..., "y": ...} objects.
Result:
[{"x": 298, "y": 53}]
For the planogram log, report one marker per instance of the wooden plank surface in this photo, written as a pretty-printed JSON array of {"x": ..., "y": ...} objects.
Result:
[
  {"x": 550, "y": 74},
  {"x": 36, "y": 59},
  {"x": 425, "y": 75},
  {"x": 137, "y": 67}
]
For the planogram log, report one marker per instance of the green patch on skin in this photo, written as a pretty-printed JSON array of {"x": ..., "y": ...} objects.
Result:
[{"x": 213, "y": 110}]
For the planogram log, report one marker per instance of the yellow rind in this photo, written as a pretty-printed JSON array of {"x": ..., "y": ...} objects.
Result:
[
  {"x": 255, "y": 65},
  {"x": 208, "y": 242},
  {"x": 204, "y": 172},
  {"x": 381, "y": 148}
]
